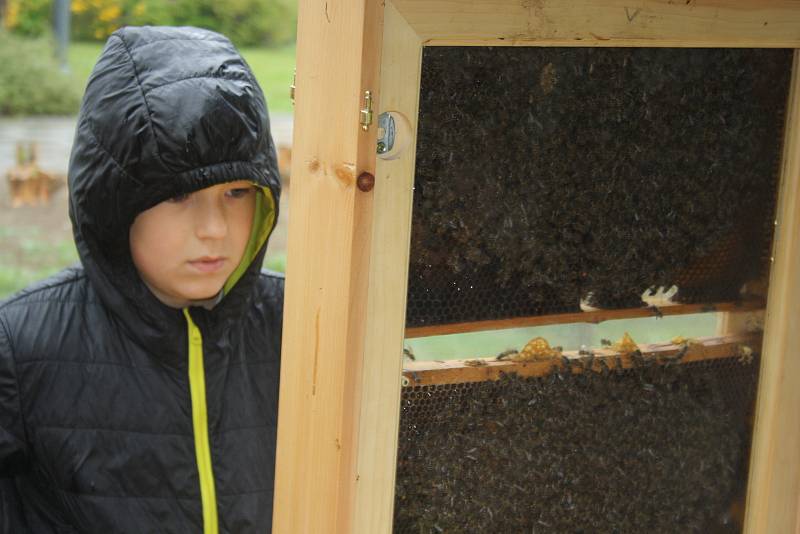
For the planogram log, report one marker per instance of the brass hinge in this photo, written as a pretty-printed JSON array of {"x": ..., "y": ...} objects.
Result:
[
  {"x": 293, "y": 87},
  {"x": 366, "y": 111}
]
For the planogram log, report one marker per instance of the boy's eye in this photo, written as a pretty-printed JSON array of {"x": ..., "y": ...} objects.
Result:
[
  {"x": 239, "y": 192},
  {"x": 178, "y": 198}
]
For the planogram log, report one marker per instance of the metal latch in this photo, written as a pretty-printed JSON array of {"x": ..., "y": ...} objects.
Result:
[
  {"x": 366, "y": 111},
  {"x": 293, "y": 87},
  {"x": 386, "y": 132}
]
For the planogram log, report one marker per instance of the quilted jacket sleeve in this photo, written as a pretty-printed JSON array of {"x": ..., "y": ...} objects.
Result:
[{"x": 13, "y": 450}]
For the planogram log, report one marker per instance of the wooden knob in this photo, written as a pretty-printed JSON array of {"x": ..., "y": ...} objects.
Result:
[{"x": 365, "y": 182}]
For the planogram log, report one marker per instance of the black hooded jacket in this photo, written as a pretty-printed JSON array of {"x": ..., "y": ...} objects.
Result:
[{"x": 118, "y": 413}]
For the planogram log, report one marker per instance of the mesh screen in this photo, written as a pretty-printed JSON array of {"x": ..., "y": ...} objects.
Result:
[
  {"x": 549, "y": 175},
  {"x": 657, "y": 449}
]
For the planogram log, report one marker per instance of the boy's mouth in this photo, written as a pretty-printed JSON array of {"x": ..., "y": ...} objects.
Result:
[{"x": 208, "y": 264}]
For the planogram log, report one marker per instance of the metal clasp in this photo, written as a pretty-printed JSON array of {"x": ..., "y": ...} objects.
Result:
[
  {"x": 293, "y": 87},
  {"x": 366, "y": 111},
  {"x": 386, "y": 132}
]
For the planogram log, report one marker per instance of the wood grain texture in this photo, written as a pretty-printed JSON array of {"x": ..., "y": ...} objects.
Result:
[
  {"x": 682, "y": 23},
  {"x": 327, "y": 266},
  {"x": 774, "y": 486},
  {"x": 388, "y": 275}
]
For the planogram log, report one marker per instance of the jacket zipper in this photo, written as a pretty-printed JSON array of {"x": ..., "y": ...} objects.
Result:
[{"x": 197, "y": 387}]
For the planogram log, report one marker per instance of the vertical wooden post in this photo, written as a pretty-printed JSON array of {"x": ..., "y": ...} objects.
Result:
[
  {"x": 388, "y": 284},
  {"x": 774, "y": 486},
  {"x": 327, "y": 266}
]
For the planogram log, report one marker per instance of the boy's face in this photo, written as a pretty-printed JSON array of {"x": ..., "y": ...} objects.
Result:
[{"x": 185, "y": 248}]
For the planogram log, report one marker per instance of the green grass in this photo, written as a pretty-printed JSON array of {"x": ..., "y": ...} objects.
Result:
[
  {"x": 275, "y": 261},
  {"x": 82, "y": 57},
  {"x": 273, "y": 68},
  {"x": 26, "y": 255}
]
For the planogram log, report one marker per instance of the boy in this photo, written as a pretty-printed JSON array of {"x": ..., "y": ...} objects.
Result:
[{"x": 138, "y": 392}]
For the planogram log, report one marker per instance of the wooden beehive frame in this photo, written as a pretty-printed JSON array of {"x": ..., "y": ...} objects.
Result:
[
  {"x": 724, "y": 308},
  {"x": 426, "y": 373},
  {"x": 349, "y": 245}
]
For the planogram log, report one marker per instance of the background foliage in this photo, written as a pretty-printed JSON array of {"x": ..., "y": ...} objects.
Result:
[
  {"x": 245, "y": 22},
  {"x": 30, "y": 80}
]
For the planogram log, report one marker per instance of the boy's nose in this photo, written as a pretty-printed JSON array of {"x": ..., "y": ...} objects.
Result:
[{"x": 210, "y": 222}]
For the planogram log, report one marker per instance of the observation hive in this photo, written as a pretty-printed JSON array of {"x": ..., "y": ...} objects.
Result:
[{"x": 468, "y": 168}]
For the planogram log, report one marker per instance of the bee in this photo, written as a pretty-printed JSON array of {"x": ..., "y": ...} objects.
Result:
[
  {"x": 638, "y": 358},
  {"x": 686, "y": 344},
  {"x": 405, "y": 381},
  {"x": 587, "y": 363},
  {"x": 672, "y": 359},
  {"x": 745, "y": 354},
  {"x": 506, "y": 353},
  {"x": 475, "y": 363},
  {"x": 606, "y": 342},
  {"x": 656, "y": 311},
  {"x": 408, "y": 353},
  {"x": 605, "y": 367}
]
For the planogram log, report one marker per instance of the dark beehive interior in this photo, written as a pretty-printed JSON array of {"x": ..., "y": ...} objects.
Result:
[
  {"x": 656, "y": 448},
  {"x": 548, "y": 175}
]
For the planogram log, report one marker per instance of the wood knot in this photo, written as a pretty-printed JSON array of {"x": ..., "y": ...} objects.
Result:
[{"x": 345, "y": 173}]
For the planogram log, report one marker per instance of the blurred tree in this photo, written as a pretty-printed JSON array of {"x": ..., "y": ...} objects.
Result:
[
  {"x": 95, "y": 19},
  {"x": 245, "y": 22},
  {"x": 31, "y": 18},
  {"x": 31, "y": 82}
]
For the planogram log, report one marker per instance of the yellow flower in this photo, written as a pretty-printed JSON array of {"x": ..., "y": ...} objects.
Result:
[
  {"x": 79, "y": 6},
  {"x": 109, "y": 13},
  {"x": 139, "y": 9},
  {"x": 11, "y": 16}
]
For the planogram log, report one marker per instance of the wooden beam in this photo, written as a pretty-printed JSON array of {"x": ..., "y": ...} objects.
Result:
[
  {"x": 680, "y": 23},
  {"x": 329, "y": 239},
  {"x": 425, "y": 373},
  {"x": 774, "y": 486},
  {"x": 388, "y": 280},
  {"x": 593, "y": 317}
]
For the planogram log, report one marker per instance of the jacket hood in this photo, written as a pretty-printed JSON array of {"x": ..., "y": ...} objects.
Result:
[{"x": 166, "y": 111}]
